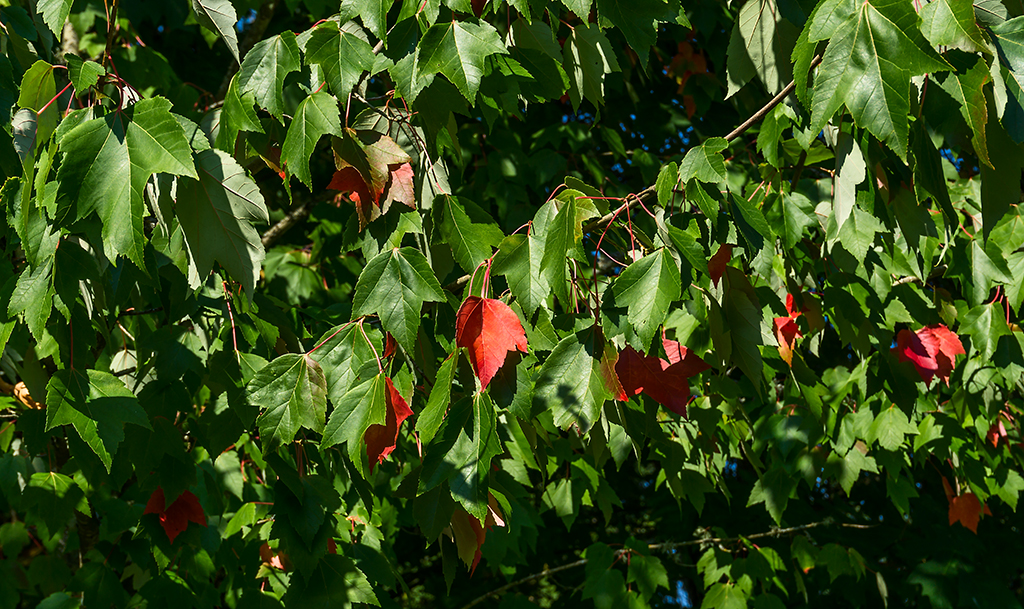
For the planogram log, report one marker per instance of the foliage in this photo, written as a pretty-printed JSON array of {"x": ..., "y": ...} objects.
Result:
[{"x": 425, "y": 304}]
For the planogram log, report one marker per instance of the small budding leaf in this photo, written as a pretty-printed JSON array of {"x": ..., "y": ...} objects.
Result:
[{"x": 488, "y": 329}]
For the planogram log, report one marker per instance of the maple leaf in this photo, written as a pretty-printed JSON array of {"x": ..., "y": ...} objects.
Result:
[
  {"x": 718, "y": 262},
  {"x": 787, "y": 330},
  {"x": 276, "y": 559},
  {"x": 374, "y": 171},
  {"x": 965, "y": 509},
  {"x": 995, "y": 432},
  {"x": 488, "y": 329},
  {"x": 469, "y": 534},
  {"x": 663, "y": 381},
  {"x": 381, "y": 439},
  {"x": 932, "y": 350},
  {"x": 175, "y": 517}
]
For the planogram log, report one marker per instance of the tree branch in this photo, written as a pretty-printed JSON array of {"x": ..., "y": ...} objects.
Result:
[
  {"x": 650, "y": 193},
  {"x": 665, "y": 547}
]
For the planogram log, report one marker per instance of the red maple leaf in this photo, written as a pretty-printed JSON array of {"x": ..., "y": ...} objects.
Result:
[
  {"x": 389, "y": 345},
  {"x": 965, "y": 509},
  {"x": 718, "y": 262},
  {"x": 381, "y": 439},
  {"x": 663, "y": 381},
  {"x": 175, "y": 517},
  {"x": 488, "y": 329},
  {"x": 787, "y": 330},
  {"x": 932, "y": 351}
]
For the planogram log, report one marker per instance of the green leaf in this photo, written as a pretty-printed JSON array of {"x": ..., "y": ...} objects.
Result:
[
  {"x": 54, "y": 13},
  {"x": 765, "y": 39},
  {"x": 362, "y": 406},
  {"x": 952, "y": 23},
  {"x": 637, "y": 20},
  {"x": 219, "y": 17},
  {"x": 858, "y": 232},
  {"x": 217, "y": 213},
  {"x": 648, "y": 286},
  {"x": 264, "y": 69},
  {"x": 798, "y": 217},
  {"x": 773, "y": 489},
  {"x": 316, "y": 116},
  {"x": 535, "y": 48},
  {"x": 237, "y": 115},
  {"x": 561, "y": 241},
  {"x": 342, "y": 56},
  {"x": 985, "y": 324},
  {"x": 968, "y": 91},
  {"x": 374, "y": 14},
  {"x": 572, "y": 383},
  {"x": 1008, "y": 75},
  {"x": 519, "y": 260},
  {"x": 107, "y": 163},
  {"x": 38, "y": 88},
  {"x": 744, "y": 322},
  {"x": 55, "y": 497},
  {"x": 97, "y": 404},
  {"x": 33, "y": 296},
  {"x": 668, "y": 178},
  {"x": 291, "y": 393},
  {"x": 458, "y": 49},
  {"x": 394, "y": 285},
  {"x": 889, "y": 428},
  {"x": 705, "y": 162},
  {"x": 1000, "y": 184},
  {"x": 587, "y": 57},
  {"x": 348, "y": 354},
  {"x": 432, "y": 415},
  {"x": 336, "y": 582},
  {"x": 874, "y": 49},
  {"x": 471, "y": 242},
  {"x": 83, "y": 74}
]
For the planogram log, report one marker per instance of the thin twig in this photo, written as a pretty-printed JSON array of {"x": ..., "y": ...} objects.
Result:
[
  {"x": 665, "y": 547},
  {"x": 650, "y": 193}
]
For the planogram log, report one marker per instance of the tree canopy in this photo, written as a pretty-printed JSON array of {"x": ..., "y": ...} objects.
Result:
[{"x": 511, "y": 303}]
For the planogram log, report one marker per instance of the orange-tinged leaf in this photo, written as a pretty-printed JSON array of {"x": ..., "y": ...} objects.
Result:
[
  {"x": 175, "y": 517},
  {"x": 381, "y": 439},
  {"x": 786, "y": 332},
  {"x": 965, "y": 509},
  {"x": 718, "y": 262},
  {"x": 488, "y": 329},
  {"x": 350, "y": 182},
  {"x": 678, "y": 354}
]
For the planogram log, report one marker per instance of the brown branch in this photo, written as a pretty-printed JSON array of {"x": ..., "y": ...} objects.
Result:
[
  {"x": 775, "y": 101},
  {"x": 665, "y": 547},
  {"x": 650, "y": 193},
  {"x": 294, "y": 217}
]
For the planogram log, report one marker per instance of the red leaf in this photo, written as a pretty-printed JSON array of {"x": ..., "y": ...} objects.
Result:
[
  {"x": 664, "y": 382},
  {"x": 718, "y": 262},
  {"x": 995, "y": 432},
  {"x": 488, "y": 329},
  {"x": 389, "y": 345},
  {"x": 277, "y": 560},
  {"x": 175, "y": 518},
  {"x": 400, "y": 187},
  {"x": 932, "y": 351},
  {"x": 350, "y": 182},
  {"x": 693, "y": 364},
  {"x": 965, "y": 509},
  {"x": 786, "y": 332},
  {"x": 381, "y": 439}
]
